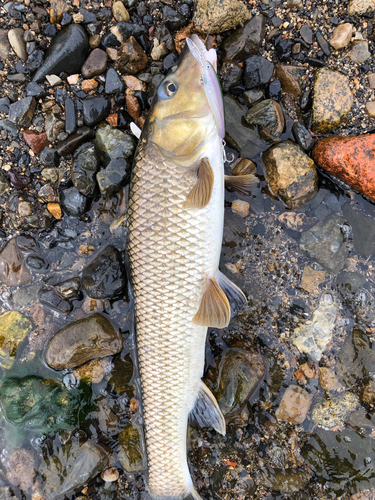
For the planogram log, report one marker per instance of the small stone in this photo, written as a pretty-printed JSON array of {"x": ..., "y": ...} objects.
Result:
[
  {"x": 132, "y": 58},
  {"x": 370, "y": 109},
  {"x": 253, "y": 97},
  {"x": 244, "y": 41},
  {"x": 48, "y": 157},
  {"x": 53, "y": 80},
  {"x": 172, "y": 19},
  {"x": 113, "y": 83},
  {"x": 332, "y": 100},
  {"x": 294, "y": 405},
  {"x": 133, "y": 106},
  {"x": 269, "y": 118},
  {"x": 95, "y": 64},
  {"x": 216, "y": 16},
  {"x": 328, "y": 380},
  {"x": 159, "y": 51},
  {"x": 290, "y": 78},
  {"x": 241, "y": 208},
  {"x": 283, "y": 49},
  {"x": 371, "y": 80},
  {"x": 360, "y": 52},
  {"x": 84, "y": 169},
  {"x": 323, "y": 43},
  {"x": 110, "y": 475},
  {"x": 94, "y": 41},
  {"x": 21, "y": 468},
  {"x": 360, "y": 7},
  {"x": 130, "y": 450},
  {"x": 291, "y": 174},
  {"x": 81, "y": 341},
  {"x": 112, "y": 143},
  {"x": 73, "y": 79},
  {"x": 120, "y": 13},
  {"x": 88, "y": 85},
  {"x": 243, "y": 166},
  {"x": 296, "y": 4},
  {"x": 341, "y": 36},
  {"x": 69, "y": 145},
  {"x": 307, "y": 34},
  {"x": 14, "y": 327},
  {"x": 4, "y": 44},
  {"x": 112, "y": 53},
  {"x": 112, "y": 119},
  {"x": 57, "y": 9},
  {"x": 17, "y": 43},
  {"x": 303, "y": 136},
  {"x": 258, "y": 71},
  {"x": 312, "y": 278},
  {"x": 113, "y": 177},
  {"x": 95, "y": 110},
  {"x": 37, "y": 142},
  {"x": 93, "y": 371},
  {"x": 48, "y": 193},
  {"x": 54, "y": 126},
  {"x": 55, "y": 210},
  {"x": 73, "y": 202},
  {"x": 332, "y": 411},
  {"x": 230, "y": 75},
  {"x": 22, "y": 111},
  {"x": 133, "y": 83},
  {"x": 70, "y": 116}
]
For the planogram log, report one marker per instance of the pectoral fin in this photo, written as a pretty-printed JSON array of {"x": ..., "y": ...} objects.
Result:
[
  {"x": 201, "y": 192},
  {"x": 235, "y": 295},
  {"x": 214, "y": 310},
  {"x": 246, "y": 185},
  {"x": 207, "y": 412}
]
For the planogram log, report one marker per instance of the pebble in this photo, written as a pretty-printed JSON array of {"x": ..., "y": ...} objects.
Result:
[
  {"x": 328, "y": 380},
  {"x": 95, "y": 110},
  {"x": 70, "y": 116},
  {"x": 131, "y": 448},
  {"x": 55, "y": 210},
  {"x": 93, "y": 371},
  {"x": 306, "y": 34},
  {"x": 73, "y": 79},
  {"x": 323, "y": 43},
  {"x": 22, "y": 111},
  {"x": 230, "y": 75},
  {"x": 253, "y": 97},
  {"x": 332, "y": 100},
  {"x": 258, "y": 71},
  {"x": 14, "y": 327},
  {"x": 312, "y": 278},
  {"x": 69, "y": 145},
  {"x": 113, "y": 83},
  {"x": 363, "y": 233},
  {"x": 159, "y": 50},
  {"x": 112, "y": 143},
  {"x": 4, "y": 45},
  {"x": 81, "y": 341},
  {"x": 291, "y": 174},
  {"x": 84, "y": 168},
  {"x": 283, "y": 49},
  {"x": 290, "y": 78},
  {"x": 216, "y": 16},
  {"x": 133, "y": 106},
  {"x": 341, "y": 36},
  {"x": 53, "y": 80},
  {"x": 269, "y": 118},
  {"x": 244, "y": 41},
  {"x": 303, "y": 136},
  {"x": 17, "y": 42},
  {"x": 110, "y": 475},
  {"x": 113, "y": 177},
  {"x": 370, "y": 109},
  {"x": 173, "y": 20},
  {"x": 133, "y": 83},
  {"x": 294, "y": 405},
  {"x": 67, "y": 53},
  {"x": 37, "y": 142},
  {"x": 360, "y": 7},
  {"x": 88, "y": 85},
  {"x": 360, "y": 52},
  {"x": 73, "y": 202},
  {"x": 21, "y": 468},
  {"x": 241, "y": 208},
  {"x": 131, "y": 58},
  {"x": 371, "y": 80},
  {"x": 57, "y": 9},
  {"x": 120, "y": 13},
  {"x": 350, "y": 159},
  {"x": 95, "y": 64}
]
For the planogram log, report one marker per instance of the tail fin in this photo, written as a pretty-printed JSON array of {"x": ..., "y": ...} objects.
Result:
[{"x": 193, "y": 495}]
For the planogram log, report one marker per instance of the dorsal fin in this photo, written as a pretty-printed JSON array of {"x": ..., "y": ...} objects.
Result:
[
  {"x": 235, "y": 295},
  {"x": 206, "y": 412},
  {"x": 214, "y": 310},
  {"x": 200, "y": 195}
]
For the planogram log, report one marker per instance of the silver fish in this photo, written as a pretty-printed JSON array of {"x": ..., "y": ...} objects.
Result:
[{"x": 175, "y": 229}]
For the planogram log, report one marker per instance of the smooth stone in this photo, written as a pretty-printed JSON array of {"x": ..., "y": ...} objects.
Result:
[
  {"x": 21, "y": 112},
  {"x": 363, "y": 231},
  {"x": 81, "y": 341},
  {"x": 17, "y": 42},
  {"x": 14, "y": 327},
  {"x": 291, "y": 174},
  {"x": 35, "y": 90},
  {"x": 113, "y": 177},
  {"x": 360, "y": 52},
  {"x": 312, "y": 278},
  {"x": 131, "y": 452},
  {"x": 84, "y": 169},
  {"x": 269, "y": 118},
  {"x": 306, "y": 34},
  {"x": 241, "y": 208},
  {"x": 36, "y": 142},
  {"x": 253, "y": 96},
  {"x": 13, "y": 270},
  {"x": 325, "y": 243},
  {"x": 131, "y": 58},
  {"x": 333, "y": 100},
  {"x": 9, "y": 127},
  {"x": 244, "y": 41},
  {"x": 360, "y": 7},
  {"x": 230, "y": 75},
  {"x": 286, "y": 480},
  {"x": 112, "y": 143},
  {"x": 324, "y": 45},
  {"x": 95, "y": 110},
  {"x": 290, "y": 78},
  {"x": 70, "y": 116},
  {"x": 216, "y": 16},
  {"x": 21, "y": 469},
  {"x": 69, "y": 145},
  {"x": 257, "y": 71},
  {"x": 350, "y": 159},
  {"x": 119, "y": 12},
  {"x": 295, "y": 4},
  {"x": 95, "y": 64},
  {"x": 303, "y": 136},
  {"x": 105, "y": 277},
  {"x": 294, "y": 405},
  {"x": 73, "y": 202},
  {"x": 4, "y": 45},
  {"x": 328, "y": 380},
  {"x": 113, "y": 83},
  {"x": 370, "y": 109},
  {"x": 67, "y": 53},
  {"x": 341, "y": 36}
]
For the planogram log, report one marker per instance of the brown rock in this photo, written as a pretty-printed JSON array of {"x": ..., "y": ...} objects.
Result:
[
  {"x": 341, "y": 36},
  {"x": 243, "y": 166},
  {"x": 241, "y": 208},
  {"x": 4, "y": 44},
  {"x": 37, "y": 142},
  {"x": 112, "y": 53},
  {"x": 133, "y": 83},
  {"x": 88, "y": 85},
  {"x": 216, "y": 16},
  {"x": 110, "y": 475},
  {"x": 132, "y": 58},
  {"x": 359, "y": 7},
  {"x": 332, "y": 100},
  {"x": 94, "y": 41},
  {"x": 268, "y": 116},
  {"x": 290, "y": 78},
  {"x": 297, "y": 221},
  {"x": 294, "y": 406},
  {"x": 350, "y": 159},
  {"x": 57, "y": 9},
  {"x": 370, "y": 109},
  {"x": 180, "y": 38},
  {"x": 371, "y": 80},
  {"x": 70, "y": 144},
  {"x": 120, "y": 13},
  {"x": 159, "y": 50},
  {"x": 112, "y": 119},
  {"x": 244, "y": 41},
  {"x": 21, "y": 468},
  {"x": 328, "y": 380},
  {"x": 95, "y": 64},
  {"x": 312, "y": 278},
  {"x": 93, "y": 371},
  {"x": 133, "y": 106},
  {"x": 13, "y": 270},
  {"x": 54, "y": 209}
]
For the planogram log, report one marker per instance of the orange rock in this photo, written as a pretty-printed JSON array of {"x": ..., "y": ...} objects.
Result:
[
  {"x": 89, "y": 85},
  {"x": 133, "y": 106},
  {"x": 350, "y": 159},
  {"x": 181, "y": 37},
  {"x": 54, "y": 209},
  {"x": 141, "y": 121},
  {"x": 113, "y": 119},
  {"x": 134, "y": 83},
  {"x": 37, "y": 142}
]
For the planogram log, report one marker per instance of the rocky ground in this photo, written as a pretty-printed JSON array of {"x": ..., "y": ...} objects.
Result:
[{"x": 294, "y": 372}]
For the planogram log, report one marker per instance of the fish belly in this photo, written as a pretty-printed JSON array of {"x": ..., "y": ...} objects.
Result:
[{"x": 171, "y": 251}]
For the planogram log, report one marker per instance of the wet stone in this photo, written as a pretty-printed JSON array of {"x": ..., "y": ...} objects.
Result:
[
  {"x": 81, "y": 341},
  {"x": 312, "y": 278},
  {"x": 113, "y": 177},
  {"x": 95, "y": 110},
  {"x": 34, "y": 90},
  {"x": 67, "y": 53},
  {"x": 70, "y": 116},
  {"x": 173, "y": 20},
  {"x": 244, "y": 41},
  {"x": 212, "y": 16},
  {"x": 290, "y": 78},
  {"x": 95, "y": 64},
  {"x": 257, "y": 71},
  {"x": 283, "y": 49},
  {"x": 328, "y": 380},
  {"x": 307, "y": 34},
  {"x": 54, "y": 126},
  {"x": 253, "y": 97},
  {"x": 48, "y": 157},
  {"x": 21, "y": 468},
  {"x": 131, "y": 452},
  {"x": 14, "y": 327},
  {"x": 294, "y": 405},
  {"x": 69, "y": 145},
  {"x": 37, "y": 142},
  {"x": 119, "y": 12},
  {"x": 73, "y": 202},
  {"x": 17, "y": 43},
  {"x": 112, "y": 143},
  {"x": 113, "y": 83},
  {"x": 131, "y": 58},
  {"x": 323, "y": 43},
  {"x": 84, "y": 169},
  {"x": 363, "y": 230},
  {"x": 269, "y": 118},
  {"x": 325, "y": 243},
  {"x": 22, "y": 111},
  {"x": 285, "y": 480},
  {"x": 291, "y": 174},
  {"x": 105, "y": 277},
  {"x": 230, "y": 75},
  {"x": 303, "y": 136},
  {"x": 13, "y": 270}
]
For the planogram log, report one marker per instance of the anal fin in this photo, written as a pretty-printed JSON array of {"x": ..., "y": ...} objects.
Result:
[
  {"x": 215, "y": 309},
  {"x": 200, "y": 195},
  {"x": 207, "y": 412},
  {"x": 235, "y": 295}
]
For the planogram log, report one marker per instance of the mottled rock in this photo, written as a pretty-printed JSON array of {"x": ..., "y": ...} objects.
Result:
[
  {"x": 4, "y": 44},
  {"x": 243, "y": 166},
  {"x": 363, "y": 230},
  {"x": 294, "y": 405},
  {"x": 244, "y": 41},
  {"x": 133, "y": 106},
  {"x": 333, "y": 411},
  {"x": 290, "y": 78},
  {"x": 341, "y": 36},
  {"x": 350, "y": 159},
  {"x": 253, "y": 97},
  {"x": 84, "y": 169},
  {"x": 360, "y": 7},
  {"x": 95, "y": 64},
  {"x": 269, "y": 118},
  {"x": 81, "y": 341},
  {"x": 360, "y": 52},
  {"x": 73, "y": 202},
  {"x": 112, "y": 143},
  {"x": 95, "y": 110},
  {"x": 113, "y": 177},
  {"x": 105, "y": 277},
  {"x": 332, "y": 100},
  {"x": 17, "y": 42},
  {"x": 69, "y": 145},
  {"x": 173, "y": 20},
  {"x": 131, "y": 452},
  {"x": 131, "y": 58},
  {"x": 54, "y": 126},
  {"x": 66, "y": 53},
  {"x": 328, "y": 380},
  {"x": 14, "y": 327},
  {"x": 288, "y": 480},
  {"x": 110, "y": 475},
  {"x": 94, "y": 371},
  {"x": 119, "y": 12},
  {"x": 297, "y": 4},
  {"x": 257, "y": 71},
  {"x": 57, "y": 9},
  {"x": 37, "y": 142},
  {"x": 216, "y": 16},
  {"x": 21, "y": 468},
  {"x": 312, "y": 278},
  {"x": 13, "y": 270},
  {"x": 22, "y": 111},
  {"x": 291, "y": 174},
  {"x": 325, "y": 243}
]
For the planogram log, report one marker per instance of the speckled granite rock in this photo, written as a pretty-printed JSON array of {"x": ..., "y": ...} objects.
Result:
[
  {"x": 216, "y": 16},
  {"x": 359, "y": 7}
]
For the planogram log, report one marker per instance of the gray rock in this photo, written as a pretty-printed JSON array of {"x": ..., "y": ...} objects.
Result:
[
  {"x": 53, "y": 126},
  {"x": 244, "y": 41},
  {"x": 258, "y": 71},
  {"x": 95, "y": 64},
  {"x": 363, "y": 229},
  {"x": 230, "y": 75},
  {"x": 95, "y": 109},
  {"x": 325, "y": 243},
  {"x": 73, "y": 202},
  {"x": 22, "y": 111},
  {"x": 17, "y": 42},
  {"x": 113, "y": 177},
  {"x": 360, "y": 52},
  {"x": 9, "y": 127},
  {"x": 113, "y": 83},
  {"x": 4, "y": 45},
  {"x": 269, "y": 118},
  {"x": 49, "y": 157},
  {"x": 84, "y": 169},
  {"x": 112, "y": 143},
  {"x": 303, "y": 136},
  {"x": 253, "y": 96}
]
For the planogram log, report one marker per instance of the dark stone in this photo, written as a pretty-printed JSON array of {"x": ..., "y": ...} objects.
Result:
[
  {"x": 36, "y": 263},
  {"x": 124, "y": 119},
  {"x": 306, "y": 34},
  {"x": 34, "y": 60},
  {"x": 73, "y": 202},
  {"x": 109, "y": 40},
  {"x": 244, "y": 41},
  {"x": 253, "y": 97},
  {"x": 306, "y": 101},
  {"x": 66, "y": 53},
  {"x": 169, "y": 61},
  {"x": 66, "y": 19},
  {"x": 184, "y": 10},
  {"x": 230, "y": 75},
  {"x": 49, "y": 157},
  {"x": 258, "y": 71},
  {"x": 95, "y": 64},
  {"x": 142, "y": 99},
  {"x": 172, "y": 19},
  {"x": 164, "y": 35},
  {"x": 113, "y": 83},
  {"x": 84, "y": 169},
  {"x": 112, "y": 178},
  {"x": 132, "y": 58},
  {"x": 95, "y": 109},
  {"x": 4, "y": 105},
  {"x": 60, "y": 95},
  {"x": 269, "y": 118},
  {"x": 303, "y": 136},
  {"x": 283, "y": 49},
  {"x": 105, "y": 277},
  {"x": 52, "y": 299},
  {"x": 50, "y": 30},
  {"x": 22, "y": 111},
  {"x": 316, "y": 63},
  {"x": 274, "y": 90},
  {"x": 70, "y": 116},
  {"x": 18, "y": 180},
  {"x": 323, "y": 43},
  {"x": 88, "y": 16},
  {"x": 363, "y": 229}
]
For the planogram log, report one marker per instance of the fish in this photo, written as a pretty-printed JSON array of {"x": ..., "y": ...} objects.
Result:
[{"x": 175, "y": 231}]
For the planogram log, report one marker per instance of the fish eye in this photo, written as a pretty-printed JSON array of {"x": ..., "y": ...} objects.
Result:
[{"x": 167, "y": 90}]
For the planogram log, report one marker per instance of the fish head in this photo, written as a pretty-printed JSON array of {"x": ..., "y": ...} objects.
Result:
[{"x": 181, "y": 116}]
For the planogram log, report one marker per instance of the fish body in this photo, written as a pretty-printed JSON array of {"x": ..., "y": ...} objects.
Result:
[{"x": 173, "y": 252}]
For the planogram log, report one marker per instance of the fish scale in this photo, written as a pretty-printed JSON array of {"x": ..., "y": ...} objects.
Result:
[{"x": 172, "y": 251}]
